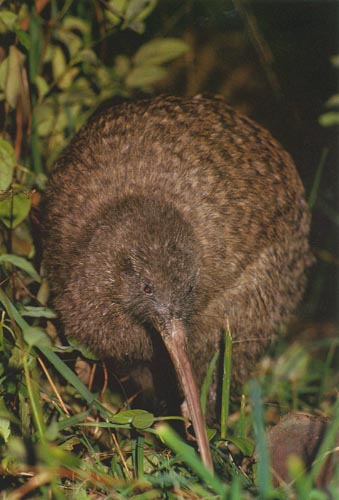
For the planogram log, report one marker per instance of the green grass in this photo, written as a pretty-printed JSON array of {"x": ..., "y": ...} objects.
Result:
[{"x": 59, "y": 440}]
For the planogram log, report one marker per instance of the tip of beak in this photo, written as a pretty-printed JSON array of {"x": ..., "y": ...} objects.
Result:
[{"x": 175, "y": 341}]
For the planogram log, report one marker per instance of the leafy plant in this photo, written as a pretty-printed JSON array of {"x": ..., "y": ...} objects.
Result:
[{"x": 331, "y": 118}]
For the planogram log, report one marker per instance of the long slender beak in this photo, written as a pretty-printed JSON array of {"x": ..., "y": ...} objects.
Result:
[{"x": 174, "y": 338}]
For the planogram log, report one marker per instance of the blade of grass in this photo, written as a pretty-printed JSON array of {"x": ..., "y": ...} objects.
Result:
[
  {"x": 68, "y": 374},
  {"x": 68, "y": 422},
  {"x": 34, "y": 398},
  {"x": 34, "y": 63},
  {"x": 189, "y": 456},
  {"x": 72, "y": 378},
  {"x": 326, "y": 446},
  {"x": 326, "y": 372},
  {"x": 58, "y": 364},
  {"x": 241, "y": 422},
  {"x": 207, "y": 381},
  {"x": 317, "y": 179},
  {"x": 235, "y": 490},
  {"x": 31, "y": 389},
  {"x": 264, "y": 480},
  {"x": 329, "y": 211},
  {"x": 148, "y": 495},
  {"x": 21, "y": 263},
  {"x": 125, "y": 468},
  {"x": 138, "y": 456},
  {"x": 12, "y": 311},
  {"x": 297, "y": 472},
  {"x": 116, "y": 468},
  {"x": 226, "y": 384}
]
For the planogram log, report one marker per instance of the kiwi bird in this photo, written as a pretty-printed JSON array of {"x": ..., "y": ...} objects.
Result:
[{"x": 166, "y": 220}]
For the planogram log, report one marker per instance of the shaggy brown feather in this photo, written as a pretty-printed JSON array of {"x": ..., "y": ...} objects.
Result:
[{"x": 195, "y": 201}]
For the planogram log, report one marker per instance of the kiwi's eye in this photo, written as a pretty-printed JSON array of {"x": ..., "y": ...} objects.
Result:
[{"x": 148, "y": 290}]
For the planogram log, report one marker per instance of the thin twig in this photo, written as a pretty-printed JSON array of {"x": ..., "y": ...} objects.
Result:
[
  {"x": 260, "y": 45},
  {"x": 91, "y": 376},
  {"x": 42, "y": 477},
  {"x": 122, "y": 458},
  {"x": 55, "y": 390},
  {"x": 32, "y": 484},
  {"x": 104, "y": 387}
]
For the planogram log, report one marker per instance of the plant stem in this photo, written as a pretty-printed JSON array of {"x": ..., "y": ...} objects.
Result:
[{"x": 226, "y": 384}]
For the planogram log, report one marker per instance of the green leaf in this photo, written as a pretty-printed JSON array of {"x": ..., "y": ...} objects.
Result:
[
  {"x": 335, "y": 60},
  {"x": 45, "y": 119},
  {"x": 85, "y": 352},
  {"x": 159, "y": 51},
  {"x": 16, "y": 451},
  {"x": 122, "y": 66},
  {"x": 42, "y": 86},
  {"x": 333, "y": 101},
  {"x": 13, "y": 83},
  {"x": 127, "y": 417},
  {"x": 88, "y": 56},
  {"x": 7, "y": 164},
  {"x": 143, "y": 420},
  {"x": 37, "y": 312},
  {"x": 3, "y": 73},
  {"x": 76, "y": 24},
  {"x": 24, "y": 411},
  {"x": 22, "y": 264},
  {"x": 145, "y": 76},
  {"x": 329, "y": 119},
  {"x": 117, "y": 6},
  {"x": 6, "y": 414},
  {"x": 210, "y": 433},
  {"x": 137, "y": 26},
  {"x": 14, "y": 362},
  {"x": 58, "y": 62},
  {"x": 14, "y": 209},
  {"x": 136, "y": 12},
  {"x": 135, "y": 8},
  {"x": 52, "y": 431},
  {"x": 244, "y": 445},
  {"x": 66, "y": 81},
  {"x": 7, "y": 21},
  {"x": 140, "y": 419},
  {"x": 72, "y": 41},
  {"x": 35, "y": 336},
  {"x": 24, "y": 38},
  {"x": 5, "y": 429}
]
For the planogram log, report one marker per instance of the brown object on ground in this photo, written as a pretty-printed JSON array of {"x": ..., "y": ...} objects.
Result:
[
  {"x": 301, "y": 435},
  {"x": 166, "y": 219}
]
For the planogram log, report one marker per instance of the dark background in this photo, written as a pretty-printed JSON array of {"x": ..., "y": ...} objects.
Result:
[{"x": 271, "y": 60}]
